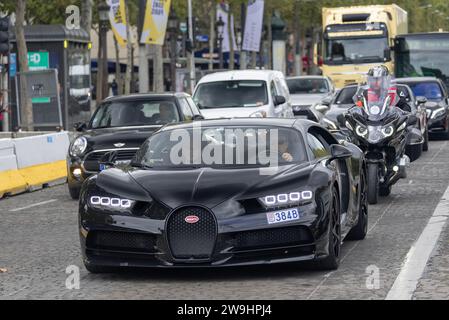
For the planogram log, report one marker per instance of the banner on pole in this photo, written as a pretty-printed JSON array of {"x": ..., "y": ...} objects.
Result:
[
  {"x": 155, "y": 23},
  {"x": 253, "y": 26},
  {"x": 223, "y": 11},
  {"x": 117, "y": 17}
]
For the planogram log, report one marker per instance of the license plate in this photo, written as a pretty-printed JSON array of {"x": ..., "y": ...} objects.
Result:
[{"x": 283, "y": 216}]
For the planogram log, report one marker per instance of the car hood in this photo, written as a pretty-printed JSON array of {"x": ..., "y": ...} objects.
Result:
[
  {"x": 209, "y": 187},
  {"x": 335, "y": 111},
  {"x": 432, "y": 105},
  {"x": 229, "y": 112},
  {"x": 130, "y": 137},
  {"x": 306, "y": 99}
]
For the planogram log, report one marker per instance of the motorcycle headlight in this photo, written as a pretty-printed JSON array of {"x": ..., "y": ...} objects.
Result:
[
  {"x": 286, "y": 199},
  {"x": 388, "y": 131},
  {"x": 258, "y": 114},
  {"x": 361, "y": 131},
  {"x": 111, "y": 203},
  {"x": 78, "y": 147},
  {"x": 330, "y": 124},
  {"x": 437, "y": 113}
]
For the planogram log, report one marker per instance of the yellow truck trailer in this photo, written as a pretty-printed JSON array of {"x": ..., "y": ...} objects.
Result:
[{"x": 357, "y": 38}]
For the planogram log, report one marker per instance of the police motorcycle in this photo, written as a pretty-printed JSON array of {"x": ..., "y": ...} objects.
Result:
[{"x": 382, "y": 131}]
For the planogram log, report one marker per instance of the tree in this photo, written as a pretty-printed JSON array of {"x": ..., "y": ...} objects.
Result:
[
  {"x": 86, "y": 15},
  {"x": 22, "y": 51}
]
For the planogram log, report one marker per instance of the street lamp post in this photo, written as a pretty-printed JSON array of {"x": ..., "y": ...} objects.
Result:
[
  {"x": 220, "y": 29},
  {"x": 102, "y": 61},
  {"x": 173, "y": 29}
]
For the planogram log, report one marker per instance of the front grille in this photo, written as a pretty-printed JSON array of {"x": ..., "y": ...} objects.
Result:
[
  {"x": 191, "y": 240},
  {"x": 271, "y": 238},
  {"x": 91, "y": 160},
  {"x": 121, "y": 241}
]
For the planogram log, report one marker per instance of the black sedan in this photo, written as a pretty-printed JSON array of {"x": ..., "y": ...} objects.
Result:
[
  {"x": 122, "y": 124},
  {"x": 437, "y": 104},
  {"x": 226, "y": 192}
]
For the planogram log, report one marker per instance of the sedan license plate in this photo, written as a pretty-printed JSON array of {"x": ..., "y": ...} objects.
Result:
[{"x": 283, "y": 216}]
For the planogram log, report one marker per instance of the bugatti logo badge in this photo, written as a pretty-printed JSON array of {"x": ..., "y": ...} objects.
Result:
[
  {"x": 119, "y": 145},
  {"x": 191, "y": 219}
]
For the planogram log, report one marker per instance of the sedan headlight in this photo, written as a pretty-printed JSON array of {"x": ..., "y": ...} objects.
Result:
[
  {"x": 111, "y": 203},
  {"x": 286, "y": 199},
  {"x": 437, "y": 113},
  {"x": 330, "y": 124},
  {"x": 78, "y": 147}
]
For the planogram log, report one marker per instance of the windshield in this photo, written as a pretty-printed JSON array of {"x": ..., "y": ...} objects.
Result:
[
  {"x": 134, "y": 113},
  {"x": 222, "y": 147},
  {"x": 231, "y": 94},
  {"x": 430, "y": 90},
  {"x": 355, "y": 50},
  {"x": 301, "y": 86}
]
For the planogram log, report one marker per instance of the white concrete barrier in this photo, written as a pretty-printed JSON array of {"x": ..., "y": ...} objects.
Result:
[{"x": 7, "y": 156}]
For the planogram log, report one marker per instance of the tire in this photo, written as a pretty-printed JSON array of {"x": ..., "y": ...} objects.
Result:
[
  {"x": 359, "y": 231},
  {"x": 425, "y": 146},
  {"x": 385, "y": 191},
  {"x": 414, "y": 151},
  {"x": 373, "y": 183},
  {"x": 74, "y": 192},
  {"x": 332, "y": 261}
]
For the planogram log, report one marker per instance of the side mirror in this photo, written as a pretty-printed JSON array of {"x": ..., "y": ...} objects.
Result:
[
  {"x": 80, "y": 126},
  {"x": 108, "y": 159},
  {"x": 326, "y": 101},
  {"x": 339, "y": 152},
  {"x": 322, "y": 108},
  {"x": 412, "y": 120},
  {"x": 421, "y": 100},
  {"x": 197, "y": 117},
  {"x": 278, "y": 100},
  {"x": 387, "y": 54}
]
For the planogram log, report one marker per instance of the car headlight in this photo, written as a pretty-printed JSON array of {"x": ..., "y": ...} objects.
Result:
[
  {"x": 330, "y": 124},
  {"x": 258, "y": 114},
  {"x": 361, "y": 131},
  {"x": 388, "y": 131},
  {"x": 78, "y": 147},
  {"x": 111, "y": 203},
  {"x": 428, "y": 113},
  {"x": 286, "y": 199},
  {"x": 438, "y": 112}
]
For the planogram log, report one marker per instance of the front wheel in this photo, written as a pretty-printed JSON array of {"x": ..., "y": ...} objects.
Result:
[
  {"x": 74, "y": 192},
  {"x": 359, "y": 231},
  {"x": 425, "y": 146},
  {"x": 373, "y": 183}
]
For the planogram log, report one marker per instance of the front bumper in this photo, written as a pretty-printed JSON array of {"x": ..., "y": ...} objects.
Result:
[
  {"x": 438, "y": 124},
  {"x": 128, "y": 241}
]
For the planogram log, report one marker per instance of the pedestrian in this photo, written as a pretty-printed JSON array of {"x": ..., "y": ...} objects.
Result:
[{"x": 114, "y": 87}]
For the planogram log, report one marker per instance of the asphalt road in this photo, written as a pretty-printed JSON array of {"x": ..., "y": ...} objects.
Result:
[{"x": 39, "y": 240}]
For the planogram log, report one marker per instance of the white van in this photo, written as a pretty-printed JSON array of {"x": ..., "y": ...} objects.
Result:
[{"x": 243, "y": 93}]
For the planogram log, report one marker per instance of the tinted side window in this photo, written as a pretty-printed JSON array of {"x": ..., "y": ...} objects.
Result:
[
  {"x": 317, "y": 147},
  {"x": 185, "y": 109}
]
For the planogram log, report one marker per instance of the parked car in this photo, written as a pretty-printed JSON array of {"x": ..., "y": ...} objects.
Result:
[
  {"x": 122, "y": 124},
  {"x": 158, "y": 213},
  {"x": 306, "y": 92},
  {"x": 436, "y": 93},
  {"x": 243, "y": 93}
]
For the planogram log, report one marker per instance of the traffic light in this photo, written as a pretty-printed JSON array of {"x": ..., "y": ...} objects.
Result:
[{"x": 4, "y": 35}]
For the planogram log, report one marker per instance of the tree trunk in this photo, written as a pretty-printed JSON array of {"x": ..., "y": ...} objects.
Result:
[
  {"x": 129, "y": 52},
  {"x": 158, "y": 69},
  {"x": 270, "y": 42},
  {"x": 26, "y": 106},
  {"x": 231, "y": 39},
  {"x": 212, "y": 19},
  {"x": 86, "y": 15},
  {"x": 118, "y": 76}
]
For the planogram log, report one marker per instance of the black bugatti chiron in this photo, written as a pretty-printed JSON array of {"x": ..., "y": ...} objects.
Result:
[{"x": 174, "y": 207}]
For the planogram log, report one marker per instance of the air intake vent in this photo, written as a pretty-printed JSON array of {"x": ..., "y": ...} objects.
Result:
[{"x": 353, "y": 17}]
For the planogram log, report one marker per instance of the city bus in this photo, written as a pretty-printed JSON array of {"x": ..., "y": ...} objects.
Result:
[
  {"x": 357, "y": 38},
  {"x": 422, "y": 55}
]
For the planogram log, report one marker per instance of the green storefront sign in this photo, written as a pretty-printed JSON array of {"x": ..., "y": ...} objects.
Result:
[{"x": 39, "y": 61}]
